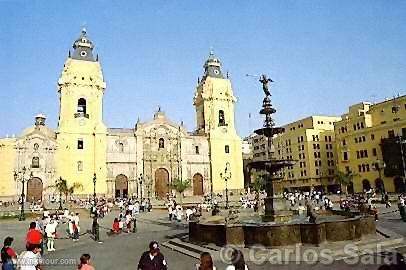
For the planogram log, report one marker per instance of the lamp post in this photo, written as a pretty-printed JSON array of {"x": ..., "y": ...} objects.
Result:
[
  {"x": 60, "y": 193},
  {"x": 140, "y": 179},
  {"x": 401, "y": 141},
  {"x": 226, "y": 176},
  {"x": 379, "y": 166},
  {"x": 22, "y": 180},
  {"x": 94, "y": 191}
]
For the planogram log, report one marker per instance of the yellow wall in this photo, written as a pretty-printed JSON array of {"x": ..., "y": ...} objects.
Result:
[
  {"x": 212, "y": 95},
  {"x": 377, "y": 120},
  {"x": 82, "y": 79},
  {"x": 7, "y": 158},
  {"x": 316, "y": 132}
]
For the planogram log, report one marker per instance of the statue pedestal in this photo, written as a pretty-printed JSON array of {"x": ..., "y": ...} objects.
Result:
[{"x": 272, "y": 215}]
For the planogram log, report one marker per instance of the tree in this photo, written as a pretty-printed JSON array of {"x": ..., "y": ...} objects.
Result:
[
  {"x": 180, "y": 186},
  {"x": 345, "y": 178},
  {"x": 61, "y": 187},
  {"x": 259, "y": 185}
]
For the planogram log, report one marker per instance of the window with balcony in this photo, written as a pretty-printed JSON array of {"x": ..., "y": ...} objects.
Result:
[
  {"x": 222, "y": 119},
  {"x": 81, "y": 109}
]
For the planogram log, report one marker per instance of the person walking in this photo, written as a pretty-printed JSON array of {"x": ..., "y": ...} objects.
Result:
[
  {"x": 85, "y": 262},
  {"x": 8, "y": 255},
  {"x": 76, "y": 227},
  {"x": 50, "y": 231},
  {"x": 152, "y": 259}
]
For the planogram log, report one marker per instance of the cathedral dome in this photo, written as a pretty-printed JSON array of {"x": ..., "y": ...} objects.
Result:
[
  {"x": 83, "y": 47},
  {"x": 212, "y": 66}
]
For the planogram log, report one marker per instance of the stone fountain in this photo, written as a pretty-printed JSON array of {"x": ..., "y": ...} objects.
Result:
[
  {"x": 272, "y": 166},
  {"x": 278, "y": 227}
]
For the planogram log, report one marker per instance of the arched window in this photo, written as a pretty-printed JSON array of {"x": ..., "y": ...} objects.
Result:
[
  {"x": 35, "y": 162},
  {"x": 121, "y": 147},
  {"x": 81, "y": 106},
  {"x": 222, "y": 120},
  {"x": 161, "y": 143}
]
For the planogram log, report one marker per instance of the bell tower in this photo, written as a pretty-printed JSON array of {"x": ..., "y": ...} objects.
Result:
[
  {"x": 81, "y": 132},
  {"x": 214, "y": 102}
]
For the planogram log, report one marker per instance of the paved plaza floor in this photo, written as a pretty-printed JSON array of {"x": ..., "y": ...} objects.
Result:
[{"x": 123, "y": 251}]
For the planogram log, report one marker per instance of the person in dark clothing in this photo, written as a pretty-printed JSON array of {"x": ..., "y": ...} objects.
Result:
[
  {"x": 152, "y": 259},
  {"x": 8, "y": 255}
]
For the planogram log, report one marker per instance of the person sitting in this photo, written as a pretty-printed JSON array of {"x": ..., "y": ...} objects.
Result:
[{"x": 116, "y": 226}]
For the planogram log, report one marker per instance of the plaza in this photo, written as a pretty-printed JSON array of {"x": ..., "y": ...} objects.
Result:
[{"x": 241, "y": 135}]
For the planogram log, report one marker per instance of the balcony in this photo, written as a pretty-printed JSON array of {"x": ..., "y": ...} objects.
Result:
[{"x": 81, "y": 115}]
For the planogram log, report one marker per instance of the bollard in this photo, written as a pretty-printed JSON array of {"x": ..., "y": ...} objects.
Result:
[
  {"x": 134, "y": 225},
  {"x": 96, "y": 233}
]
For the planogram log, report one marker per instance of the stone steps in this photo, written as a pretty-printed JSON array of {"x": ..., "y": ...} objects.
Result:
[{"x": 336, "y": 250}]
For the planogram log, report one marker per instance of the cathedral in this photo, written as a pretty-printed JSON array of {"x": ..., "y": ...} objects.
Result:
[{"x": 119, "y": 162}]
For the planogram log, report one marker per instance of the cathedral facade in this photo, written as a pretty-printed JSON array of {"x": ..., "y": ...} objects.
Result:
[{"x": 142, "y": 161}]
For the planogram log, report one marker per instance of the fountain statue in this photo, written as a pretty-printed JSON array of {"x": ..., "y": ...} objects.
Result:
[{"x": 272, "y": 166}]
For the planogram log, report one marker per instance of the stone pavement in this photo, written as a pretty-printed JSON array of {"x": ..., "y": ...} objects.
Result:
[{"x": 123, "y": 251}]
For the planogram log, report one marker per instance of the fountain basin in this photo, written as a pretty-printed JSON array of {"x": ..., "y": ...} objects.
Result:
[{"x": 282, "y": 234}]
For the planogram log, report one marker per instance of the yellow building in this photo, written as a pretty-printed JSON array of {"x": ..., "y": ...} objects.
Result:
[
  {"x": 7, "y": 157},
  {"x": 214, "y": 101},
  {"x": 139, "y": 161},
  {"x": 361, "y": 136},
  {"x": 310, "y": 142},
  {"x": 81, "y": 132}
]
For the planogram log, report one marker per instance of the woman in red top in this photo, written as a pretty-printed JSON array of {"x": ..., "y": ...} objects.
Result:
[{"x": 116, "y": 226}]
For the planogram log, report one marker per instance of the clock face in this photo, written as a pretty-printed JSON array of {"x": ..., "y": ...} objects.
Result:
[
  {"x": 216, "y": 72},
  {"x": 83, "y": 53}
]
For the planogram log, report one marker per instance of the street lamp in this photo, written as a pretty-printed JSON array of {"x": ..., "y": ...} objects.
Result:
[
  {"x": 22, "y": 180},
  {"x": 226, "y": 176},
  {"x": 379, "y": 166},
  {"x": 60, "y": 193},
  {"x": 94, "y": 190},
  {"x": 140, "y": 179}
]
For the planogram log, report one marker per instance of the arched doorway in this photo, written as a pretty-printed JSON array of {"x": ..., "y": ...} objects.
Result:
[
  {"x": 121, "y": 186},
  {"x": 399, "y": 184},
  {"x": 350, "y": 188},
  {"x": 161, "y": 182},
  {"x": 379, "y": 185},
  {"x": 197, "y": 184},
  {"x": 366, "y": 185},
  {"x": 34, "y": 190}
]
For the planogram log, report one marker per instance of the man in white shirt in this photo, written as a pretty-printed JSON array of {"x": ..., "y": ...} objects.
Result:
[
  {"x": 31, "y": 259},
  {"x": 50, "y": 230}
]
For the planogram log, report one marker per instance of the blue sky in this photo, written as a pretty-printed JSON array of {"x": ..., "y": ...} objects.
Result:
[{"x": 322, "y": 55}]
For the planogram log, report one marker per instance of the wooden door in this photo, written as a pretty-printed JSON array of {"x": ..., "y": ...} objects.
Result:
[
  {"x": 198, "y": 184},
  {"x": 161, "y": 183},
  {"x": 34, "y": 190}
]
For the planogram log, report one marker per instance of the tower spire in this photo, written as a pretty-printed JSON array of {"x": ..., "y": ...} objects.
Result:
[{"x": 83, "y": 47}]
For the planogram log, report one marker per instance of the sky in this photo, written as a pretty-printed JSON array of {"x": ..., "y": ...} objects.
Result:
[{"x": 322, "y": 55}]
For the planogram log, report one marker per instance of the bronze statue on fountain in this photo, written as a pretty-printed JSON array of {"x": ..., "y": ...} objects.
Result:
[{"x": 273, "y": 166}]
